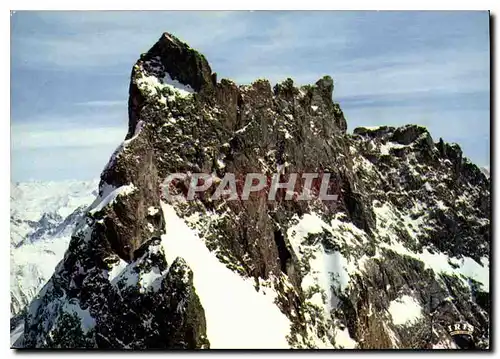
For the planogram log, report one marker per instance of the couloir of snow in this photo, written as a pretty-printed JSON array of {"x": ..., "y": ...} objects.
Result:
[
  {"x": 238, "y": 316},
  {"x": 109, "y": 196},
  {"x": 184, "y": 90},
  {"x": 329, "y": 270}
]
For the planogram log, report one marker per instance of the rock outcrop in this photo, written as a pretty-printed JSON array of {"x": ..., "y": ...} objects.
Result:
[{"x": 411, "y": 226}]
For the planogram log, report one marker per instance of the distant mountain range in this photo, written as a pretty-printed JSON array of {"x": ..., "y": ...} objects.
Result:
[{"x": 43, "y": 216}]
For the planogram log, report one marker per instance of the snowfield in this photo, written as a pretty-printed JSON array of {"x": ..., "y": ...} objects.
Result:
[{"x": 238, "y": 317}]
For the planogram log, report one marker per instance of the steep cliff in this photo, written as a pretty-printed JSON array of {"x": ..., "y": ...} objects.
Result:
[{"x": 406, "y": 243}]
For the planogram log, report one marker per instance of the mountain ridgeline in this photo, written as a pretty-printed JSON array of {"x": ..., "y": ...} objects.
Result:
[{"x": 402, "y": 254}]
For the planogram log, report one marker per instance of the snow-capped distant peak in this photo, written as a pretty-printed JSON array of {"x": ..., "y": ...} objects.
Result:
[{"x": 43, "y": 217}]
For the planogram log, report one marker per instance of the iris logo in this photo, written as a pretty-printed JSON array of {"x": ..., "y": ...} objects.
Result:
[
  {"x": 460, "y": 329},
  {"x": 462, "y": 335}
]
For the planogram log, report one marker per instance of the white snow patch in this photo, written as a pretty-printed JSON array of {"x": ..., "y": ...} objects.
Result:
[
  {"x": 287, "y": 134},
  {"x": 309, "y": 223},
  {"x": 343, "y": 339},
  {"x": 116, "y": 270},
  {"x": 151, "y": 280},
  {"x": 384, "y": 149},
  {"x": 108, "y": 199},
  {"x": 221, "y": 163},
  {"x": 234, "y": 310},
  {"x": 138, "y": 129},
  {"x": 182, "y": 89},
  {"x": 243, "y": 129},
  {"x": 152, "y": 210},
  {"x": 428, "y": 187},
  {"x": 440, "y": 204},
  {"x": 405, "y": 310},
  {"x": 314, "y": 108},
  {"x": 153, "y": 85},
  {"x": 328, "y": 270},
  {"x": 338, "y": 267},
  {"x": 128, "y": 276},
  {"x": 468, "y": 267}
]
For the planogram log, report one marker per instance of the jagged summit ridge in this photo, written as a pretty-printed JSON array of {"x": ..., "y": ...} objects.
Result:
[{"x": 411, "y": 227}]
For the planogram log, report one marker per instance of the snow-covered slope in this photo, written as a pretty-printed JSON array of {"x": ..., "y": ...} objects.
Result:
[
  {"x": 43, "y": 217},
  {"x": 229, "y": 300}
]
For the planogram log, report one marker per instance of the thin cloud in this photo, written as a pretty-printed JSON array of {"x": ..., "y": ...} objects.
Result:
[
  {"x": 97, "y": 39},
  {"x": 22, "y": 139},
  {"x": 110, "y": 103}
]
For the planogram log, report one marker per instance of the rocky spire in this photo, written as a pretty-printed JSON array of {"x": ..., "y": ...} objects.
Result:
[{"x": 176, "y": 60}]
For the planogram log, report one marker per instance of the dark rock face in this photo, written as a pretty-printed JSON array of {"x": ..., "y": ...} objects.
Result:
[
  {"x": 127, "y": 229},
  {"x": 338, "y": 267},
  {"x": 184, "y": 64},
  {"x": 408, "y": 134},
  {"x": 83, "y": 307}
]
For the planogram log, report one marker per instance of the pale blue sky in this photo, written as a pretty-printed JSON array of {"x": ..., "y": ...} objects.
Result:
[{"x": 70, "y": 73}]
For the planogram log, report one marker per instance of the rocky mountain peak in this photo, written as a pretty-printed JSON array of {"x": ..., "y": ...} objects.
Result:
[
  {"x": 410, "y": 227},
  {"x": 325, "y": 86},
  {"x": 181, "y": 62},
  {"x": 169, "y": 60}
]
